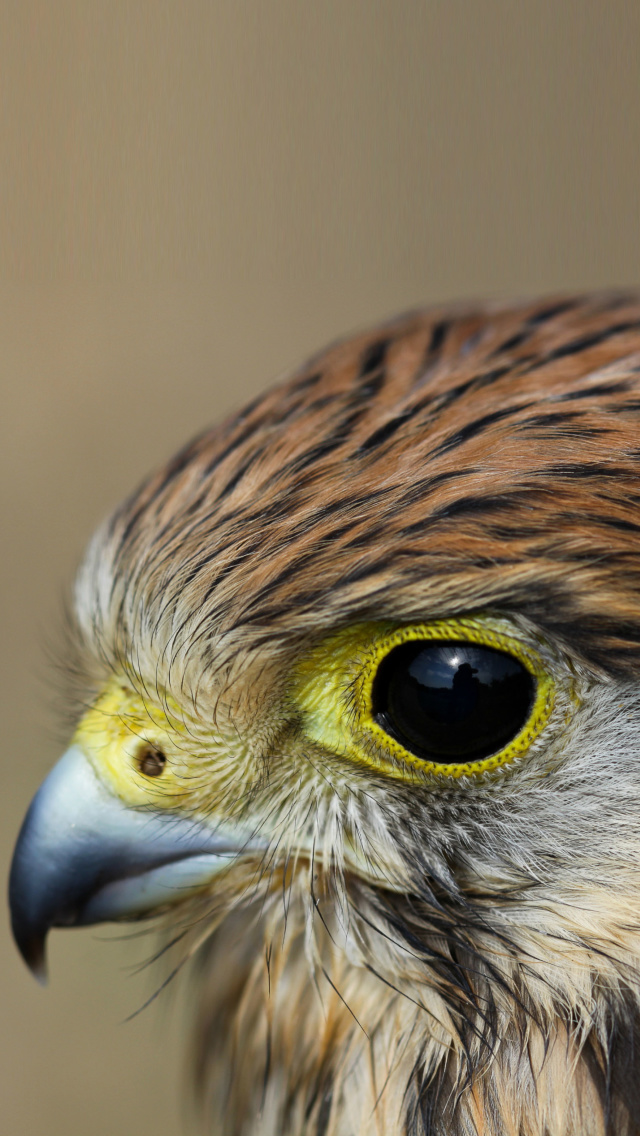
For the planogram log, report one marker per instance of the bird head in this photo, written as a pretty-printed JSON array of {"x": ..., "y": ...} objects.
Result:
[{"x": 360, "y": 689}]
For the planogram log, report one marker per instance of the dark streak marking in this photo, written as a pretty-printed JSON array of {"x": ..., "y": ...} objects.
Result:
[
  {"x": 616, "y": 523},
  {"x": 489, "y": 377},
  {"x": 366, "y": 538},
  {"x": 479, "y": 504},
  {"x": 583, "y": 470},
  {"x": 523, "y": 532},
  {"x": 438, "y": 336},
  {"x": 384, "y": 432},
  {"x": 587, "y": 342},
  {"x": 549, "y": 313},
  {"x": 345, "y": 427},
  {"x": 365, "y": 571},
  {"x": 237, "y": 476},
  {"x": 630, "y": 406},
  {"x": 320, "y": 404},
  {"x": 324, "y": 1111},
  {"x": 511, "y": 343},
  {"x": 313, "y": 455},
  {"x": 442, "y": 402},
  {"x": 248, "y": 410},
  {"x": 371, "y": 387},
  {"x": 439, "y": 332},
  {"x": 602, "y": 390},
  {"x": 374, "y": 357},
  {"x": 420, "y": 489},
  {"x": 307, "y": 381},
  {"x": 128, "y": 529},
  {"x": 239, "y": 440},
  {"x": 472, "y": 429},
  {"x": 342, "y": 530},
  {"x": 291, "y": 569},
  {"x": 558, "y": 418}
]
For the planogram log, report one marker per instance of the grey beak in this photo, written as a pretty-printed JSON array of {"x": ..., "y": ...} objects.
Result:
[{"x": 83, "y": 857}]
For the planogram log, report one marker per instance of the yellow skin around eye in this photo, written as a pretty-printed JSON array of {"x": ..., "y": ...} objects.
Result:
[
  {"x": 333, "y": 687},
  {"x": 113, "y": 734}
]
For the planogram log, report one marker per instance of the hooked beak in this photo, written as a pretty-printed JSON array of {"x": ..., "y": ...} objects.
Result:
[{"x": 84, "y": 857}]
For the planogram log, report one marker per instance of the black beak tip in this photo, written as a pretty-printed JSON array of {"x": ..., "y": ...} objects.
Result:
[
  {"x": 32, "y": 947},
  {"x": 29, "y": 933},
  {"x": 32, "y": 944}
]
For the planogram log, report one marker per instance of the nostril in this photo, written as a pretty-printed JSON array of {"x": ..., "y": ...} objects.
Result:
[{"x": 151, "y": 760}]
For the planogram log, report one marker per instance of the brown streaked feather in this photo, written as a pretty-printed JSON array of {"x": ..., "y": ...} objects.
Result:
[
  {"x": 372, "y": 465},
  {"x": 448, "y": 462}
]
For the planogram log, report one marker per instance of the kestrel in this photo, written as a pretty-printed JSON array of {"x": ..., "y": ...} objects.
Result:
[{"x": 361, "y": 720}]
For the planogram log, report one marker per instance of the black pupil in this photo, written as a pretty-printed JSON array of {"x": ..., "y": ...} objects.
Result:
[{"x": 450, "y": 701}]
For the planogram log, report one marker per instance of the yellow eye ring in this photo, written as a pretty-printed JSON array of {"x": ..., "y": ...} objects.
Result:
[
  {"x": 469, "y": 631},
  {"x": 333, "y": 688}
]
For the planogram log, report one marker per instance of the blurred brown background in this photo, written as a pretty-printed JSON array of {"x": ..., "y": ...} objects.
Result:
[{"x": 193, "y": 196}]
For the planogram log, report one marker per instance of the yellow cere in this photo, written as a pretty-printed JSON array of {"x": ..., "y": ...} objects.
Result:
[
  {"x": 332, "y": 690},
  {"x": 121, "y": 730}
]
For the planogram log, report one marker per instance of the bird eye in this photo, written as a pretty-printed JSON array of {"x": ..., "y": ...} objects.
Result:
[
  {"x": 451, "y": 700},
  {"x": 150, "y": 760}
]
